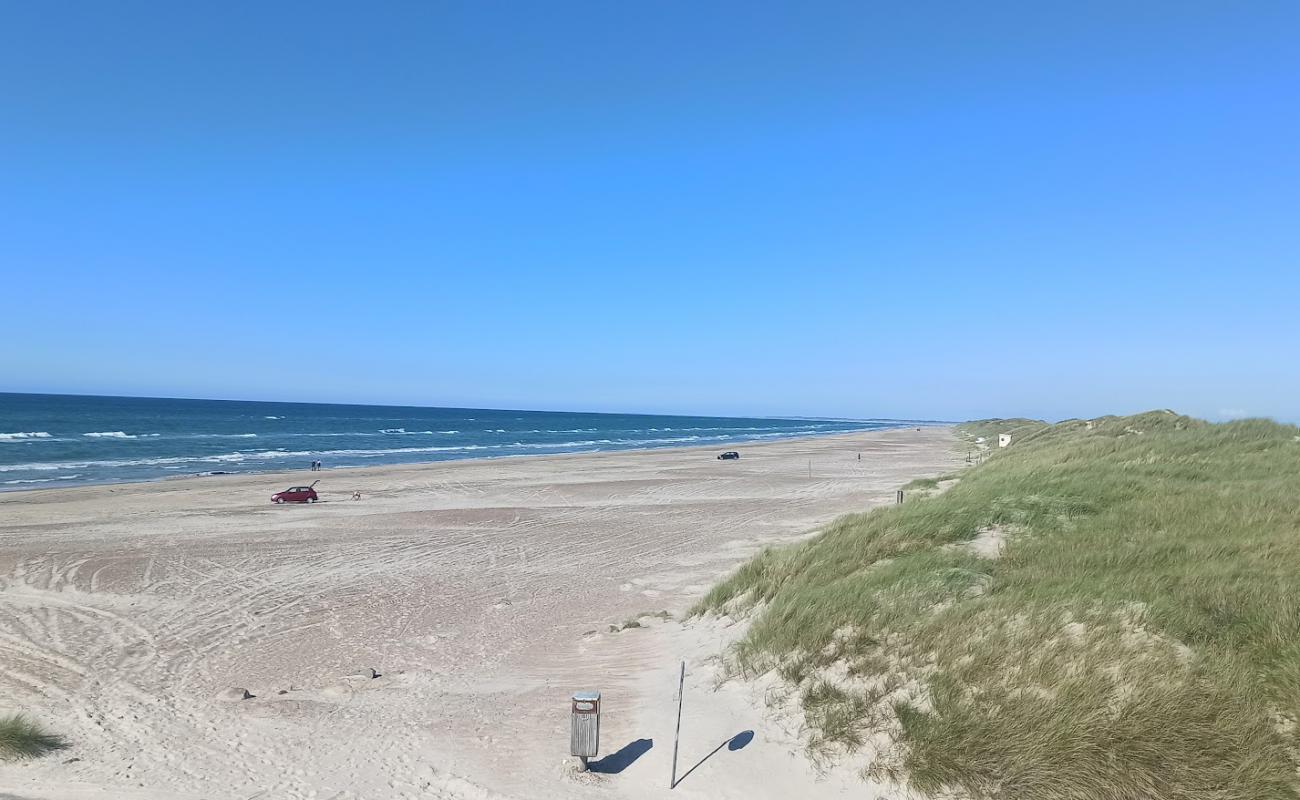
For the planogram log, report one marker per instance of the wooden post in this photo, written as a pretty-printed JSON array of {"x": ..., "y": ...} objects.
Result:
[
  {"x": 681, "y": 686},
  {"x": 899, "y": 498}
]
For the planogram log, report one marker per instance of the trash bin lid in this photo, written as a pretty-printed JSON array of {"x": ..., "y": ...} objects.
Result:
[{"x": 587, "y": 696}]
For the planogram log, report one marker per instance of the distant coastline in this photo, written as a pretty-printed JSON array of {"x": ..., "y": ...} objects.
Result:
[{"x": 56, "y": 441}]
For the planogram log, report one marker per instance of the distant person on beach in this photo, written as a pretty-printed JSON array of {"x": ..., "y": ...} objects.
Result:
[{"x": 356, "y": 495}]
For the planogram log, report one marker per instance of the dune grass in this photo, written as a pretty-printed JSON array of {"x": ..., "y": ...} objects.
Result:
[
  {"x": 1139, "y": 637},
  {"x": 22, "y": 738},
  {"x": 922, "y": 483},
  {"x": 988, "y": 429}
]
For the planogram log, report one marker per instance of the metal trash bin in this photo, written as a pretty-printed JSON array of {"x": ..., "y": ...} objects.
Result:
[{"x": 584, "y": 726}]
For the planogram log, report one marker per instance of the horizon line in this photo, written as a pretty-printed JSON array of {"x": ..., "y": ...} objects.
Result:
[{"x": 482, "y": 408}]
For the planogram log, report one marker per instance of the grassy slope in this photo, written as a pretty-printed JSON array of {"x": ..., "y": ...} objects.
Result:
[
  {"x": 1139, "y": 638},
  {"x": 988, "y": 429}
]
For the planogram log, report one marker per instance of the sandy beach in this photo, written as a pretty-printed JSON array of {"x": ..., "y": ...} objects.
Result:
[{"x": 481, "y": 592}]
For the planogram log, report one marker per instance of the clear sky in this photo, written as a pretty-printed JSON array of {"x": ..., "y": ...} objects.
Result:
[{"x": 944, "y": 210}]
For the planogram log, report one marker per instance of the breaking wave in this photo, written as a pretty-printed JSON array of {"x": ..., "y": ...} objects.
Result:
[
  {"x": 21, "y": 481},
  {"x": 213, "y": 439}
]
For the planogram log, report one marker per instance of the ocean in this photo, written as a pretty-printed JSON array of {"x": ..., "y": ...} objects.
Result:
[{"x": 63, "y": 440}]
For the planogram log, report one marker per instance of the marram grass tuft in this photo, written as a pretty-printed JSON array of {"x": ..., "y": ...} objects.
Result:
[{"x": 22, "y": 738}]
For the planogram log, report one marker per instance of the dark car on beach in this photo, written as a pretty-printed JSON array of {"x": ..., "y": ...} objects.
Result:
[
  {"x": 296, "y": 494},
  {"x": 730, "y": 455}
]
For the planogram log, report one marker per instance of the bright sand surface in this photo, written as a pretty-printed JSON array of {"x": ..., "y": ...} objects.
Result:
[{"x": 481, "y": 591}]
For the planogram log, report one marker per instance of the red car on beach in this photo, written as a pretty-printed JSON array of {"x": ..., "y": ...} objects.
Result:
[{"x": 296, "y": 494}]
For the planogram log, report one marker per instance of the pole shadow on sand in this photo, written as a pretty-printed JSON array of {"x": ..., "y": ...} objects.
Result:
[
  {"x": 615, "y": 763},
  {"x": 733, "y": 744}
]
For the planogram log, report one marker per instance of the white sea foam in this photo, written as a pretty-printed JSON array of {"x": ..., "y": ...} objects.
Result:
[
  {"x": 40, "y": 480},
  {"x": 233, "y": 458},
  {"x": 139, "y": 462},
  {"x": 630, "y": 443},
  {"x": 634, "y": 443},
  {"x": 552, "y": 445},
  {"x": 272, "y": 417},
  {"x": 268, "y": 455},
  {"x": 222, "y": 436},
  {"x": 331, "y": 433},
  {"x": 268, "y": 458},
  {"x": 395, "y": 451}
]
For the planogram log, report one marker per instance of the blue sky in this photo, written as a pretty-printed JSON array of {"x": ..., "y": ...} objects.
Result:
[{"x": 913, "y": 210}]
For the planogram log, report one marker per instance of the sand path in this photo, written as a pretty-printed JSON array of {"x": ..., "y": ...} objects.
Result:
[{"x": 481, "y": 591}]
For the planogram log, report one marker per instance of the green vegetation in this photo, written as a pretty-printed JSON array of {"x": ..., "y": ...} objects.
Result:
[
  {"x": 1139, "y": 637},
  {"x": 922, "y": 483},
  {"x": 988, "y": 429},
  {"x": 928, "y": 483},
  {"x": 22, "y": 738}
]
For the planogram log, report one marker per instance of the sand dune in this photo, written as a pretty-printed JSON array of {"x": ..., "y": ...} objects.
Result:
[{"x": 481, "y": 592}]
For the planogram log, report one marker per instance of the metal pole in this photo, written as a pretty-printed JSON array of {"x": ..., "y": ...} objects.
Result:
[{"x": 681, "y": 685}]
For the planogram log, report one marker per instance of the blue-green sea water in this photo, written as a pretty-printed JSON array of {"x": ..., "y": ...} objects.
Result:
[{"x": 61, "y": 440}]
